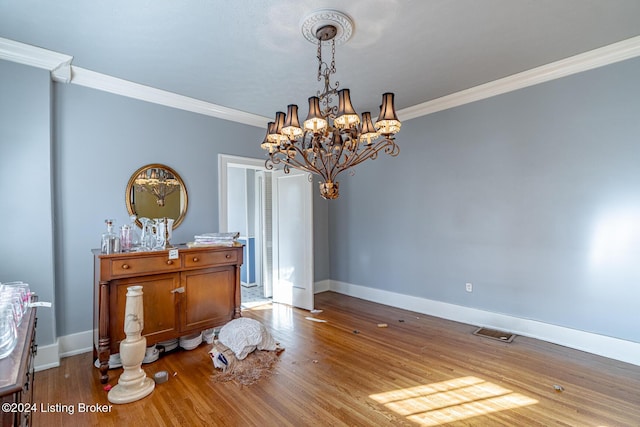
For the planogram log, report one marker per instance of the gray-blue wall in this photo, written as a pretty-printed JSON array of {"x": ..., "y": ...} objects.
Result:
[
  {"x": 68, "y": 153},
  {"x": 100, "y": 140},
  {"x": 532, "y": 196},
  {"x": 26, "y": 216}
]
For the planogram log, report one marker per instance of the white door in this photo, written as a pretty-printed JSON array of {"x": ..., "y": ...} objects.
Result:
[
  {"x": 291, "y": 264},
  {"x": 293, "y": 239}
]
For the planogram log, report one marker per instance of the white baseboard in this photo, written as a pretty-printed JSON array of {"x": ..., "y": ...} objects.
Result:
[
  {"x": 614, "y": 348},
  {"x": 626, "y": 351},
  {"x": 69, "y": 345},
  {"x": 322, "y": 286},
  {"x": 248, "y": 285},
  {"x": 81, "y": 342},
  {"x": 47, "y": 357}
]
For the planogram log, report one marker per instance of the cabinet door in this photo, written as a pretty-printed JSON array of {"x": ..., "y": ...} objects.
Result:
[
  {"x": 208, "y": 299},
  {"x": 159, "y": 304}
]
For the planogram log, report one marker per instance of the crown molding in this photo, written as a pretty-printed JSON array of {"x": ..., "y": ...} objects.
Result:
[
  {"x": 61, "y": 70},
  {"x": 59, "y": 65},
  {"x": 606, "y": 55},
  {"x": 106, "y": 83}
]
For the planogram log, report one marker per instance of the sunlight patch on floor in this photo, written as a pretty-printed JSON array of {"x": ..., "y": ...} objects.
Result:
[{"x": 453, "y": 400}]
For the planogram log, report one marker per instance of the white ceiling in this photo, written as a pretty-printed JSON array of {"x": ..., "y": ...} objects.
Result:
[{"x": 250, "y": 55}]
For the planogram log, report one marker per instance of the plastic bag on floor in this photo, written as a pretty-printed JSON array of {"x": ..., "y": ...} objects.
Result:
[{"x": 245, "y": 335}]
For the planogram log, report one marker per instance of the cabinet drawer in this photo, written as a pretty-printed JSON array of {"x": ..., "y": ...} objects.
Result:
[
  {"x": 208, "y": 259},
  {"x": 134, "y": 266}
]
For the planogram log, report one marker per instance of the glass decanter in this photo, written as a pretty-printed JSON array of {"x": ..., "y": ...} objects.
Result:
[{"x": 110, "y": 240}]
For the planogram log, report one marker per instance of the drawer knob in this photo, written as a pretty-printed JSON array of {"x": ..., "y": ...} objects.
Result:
[
  {"x": 125, "y": 266},
  {"x": 228, "y": 256},
  {"x": 169, "y": 262},
  {"x": 196, "y": 259}
]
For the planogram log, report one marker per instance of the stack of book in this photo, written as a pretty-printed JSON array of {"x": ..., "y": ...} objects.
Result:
[{"x": 214, "y": 239}]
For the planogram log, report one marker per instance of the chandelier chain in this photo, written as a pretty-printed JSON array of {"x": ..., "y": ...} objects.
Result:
[
  {"x": 326, "y": 72},
  {"x": 319, "y": 57},
  {"x": 333, "y": 56}
]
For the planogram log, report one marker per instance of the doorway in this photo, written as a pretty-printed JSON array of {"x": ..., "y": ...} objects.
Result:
[{"x": 274, "y": 218}]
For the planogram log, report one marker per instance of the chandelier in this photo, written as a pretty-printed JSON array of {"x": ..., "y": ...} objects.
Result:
[
  {"x": 333, "y": 138},
  {"x": 158, "y": 182}
]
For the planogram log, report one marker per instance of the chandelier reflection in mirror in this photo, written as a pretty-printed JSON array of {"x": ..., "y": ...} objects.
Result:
[
  {"x": 158, "y": 182},
  {"x": 333, "y": 138}
]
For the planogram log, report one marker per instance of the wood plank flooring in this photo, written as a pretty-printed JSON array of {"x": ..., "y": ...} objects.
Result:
[{"x": 419, "y": 370}]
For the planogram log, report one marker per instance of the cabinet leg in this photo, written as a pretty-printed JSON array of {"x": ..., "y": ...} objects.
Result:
[
  {"x": 237, "y": 311},
  {"x": 104, "y": 376},
  {"x": 103, "y": 356}
]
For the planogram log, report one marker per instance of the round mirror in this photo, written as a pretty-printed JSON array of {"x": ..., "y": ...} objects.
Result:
[{"x": 156, "y": 191}]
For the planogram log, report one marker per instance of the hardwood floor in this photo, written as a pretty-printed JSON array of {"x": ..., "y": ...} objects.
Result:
[{"x": 419, "y": 370}]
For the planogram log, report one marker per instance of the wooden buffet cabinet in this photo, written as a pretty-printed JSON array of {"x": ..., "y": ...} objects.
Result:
[{"x": 199, "y": 289}]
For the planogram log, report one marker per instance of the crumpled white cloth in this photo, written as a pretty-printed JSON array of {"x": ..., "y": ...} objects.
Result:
[{"x": 244, "y": 335}]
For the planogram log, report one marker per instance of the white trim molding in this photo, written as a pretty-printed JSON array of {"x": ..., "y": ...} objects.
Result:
[
  {"x": 613, "y": 348},
  {"x": 321, "y": 286},
  {"x": 58, "y": 64},
  {"x": 103, "y": 82},
  {"x": 78, "y": 343},
  {"x": 69, "y": 345},
  {"x": 62, "y": 71},
  {"x": 47, "y": 357},
  {"x": 224, "y": 162},
  {"x": 606, "y": 55}
]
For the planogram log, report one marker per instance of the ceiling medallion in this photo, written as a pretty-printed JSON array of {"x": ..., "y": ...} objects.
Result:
[
  {"x": 332, "y": 138},
  {"x": 323, "y": 18}
]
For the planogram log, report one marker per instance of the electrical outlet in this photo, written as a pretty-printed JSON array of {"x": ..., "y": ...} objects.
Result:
[{"x": 469, "y": 287}]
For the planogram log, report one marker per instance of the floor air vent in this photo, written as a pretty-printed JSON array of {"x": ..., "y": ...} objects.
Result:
[{"x": 495, "y": 334}]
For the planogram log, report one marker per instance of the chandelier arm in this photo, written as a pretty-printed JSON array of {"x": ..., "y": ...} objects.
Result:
[
  {"x": 350, "y": 161},
  {"x": 307, "y": 166},
  {"x": 336, "y": 168},
  {"x": 388, "y": 145},
  {"x": 268, "y": 164},
  {"x": 350, "y": 158},
  {"x": 312, "y": 164},
  {"x": 272, "y": 161},
  {"x": 334, "y": 159},
  {"x": 357, "y": 159},
  {"x": 325, "y": 171}
]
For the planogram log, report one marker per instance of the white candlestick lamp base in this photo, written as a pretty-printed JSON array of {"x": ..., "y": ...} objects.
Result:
[{"x": 133, "y": 384}]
